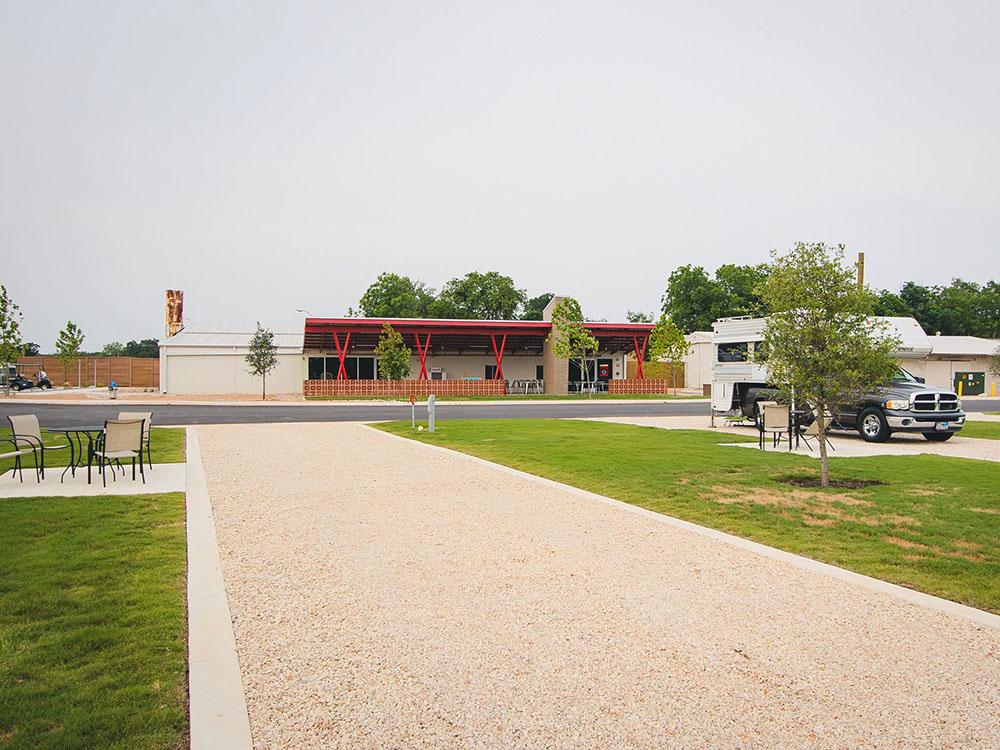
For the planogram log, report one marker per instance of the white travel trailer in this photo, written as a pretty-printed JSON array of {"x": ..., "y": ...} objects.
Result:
[{"x": 735, "y": 339}]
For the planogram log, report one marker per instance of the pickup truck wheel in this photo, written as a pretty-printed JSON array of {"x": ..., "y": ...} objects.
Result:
[
  {"x": 939, "y": 437},
  {"x": 873, "y": 426}
]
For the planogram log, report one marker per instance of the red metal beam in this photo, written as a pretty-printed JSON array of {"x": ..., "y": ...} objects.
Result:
[
  {"x": 498, "y": 354},
  {"x": 639, "y": 355},
  {"x": 422, "y": 354},
  {"x": 342, "y": 354}
]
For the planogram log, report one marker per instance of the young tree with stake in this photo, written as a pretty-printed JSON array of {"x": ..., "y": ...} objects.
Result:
[
  {"x": 667, "y": 344},
  {"x": 570, "y": 338},
  {"x": 821, "y": 343},
  {"x": 68, "y": 347},
  {"x": 262, "y": 356},
  {"x": 393, "y": 355}
]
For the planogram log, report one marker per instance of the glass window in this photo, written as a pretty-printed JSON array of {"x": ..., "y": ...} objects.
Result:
[
  {"x": 733, "y": 352},
  {"x": 539, "y": 372},
  {"x": 366, "y": 368},
  {"x": 491, "y": 372},
  {"x": 315, "y": 368},
  {"x": 351, "y": 368},
  {"x": 332, "y": 368}
]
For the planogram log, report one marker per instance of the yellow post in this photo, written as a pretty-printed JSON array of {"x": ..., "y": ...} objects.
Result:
[
  {"x": 993, "y": 389},
  {"x": 960, "y": 389}
]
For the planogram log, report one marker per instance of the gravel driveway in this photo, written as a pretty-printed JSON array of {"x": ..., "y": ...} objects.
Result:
[{"x": 388, "y": 595}]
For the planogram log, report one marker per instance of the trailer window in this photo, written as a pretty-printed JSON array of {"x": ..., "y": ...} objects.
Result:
[{"x": 733, "y": 352}]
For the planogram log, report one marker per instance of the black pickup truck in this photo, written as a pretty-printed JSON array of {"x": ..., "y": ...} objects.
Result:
[{"x": 906, "y": 404}]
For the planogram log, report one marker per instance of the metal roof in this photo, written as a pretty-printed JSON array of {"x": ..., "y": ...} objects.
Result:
[
  {"x": 228, "y": 339},
  {"x": 460, "y": 336},
  {"x": 963, "y": 346}
]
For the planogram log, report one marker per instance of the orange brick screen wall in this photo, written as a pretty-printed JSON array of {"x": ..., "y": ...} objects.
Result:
[
  {"x": 648, "y": 385},
  {"x": 128, "y": 372},
  {"x": 403, "y": 388}
]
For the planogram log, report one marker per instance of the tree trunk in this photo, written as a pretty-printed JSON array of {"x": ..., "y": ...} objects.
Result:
[
  {"x": 263, "y": 387},
  {"x": 824, "y": 459}
]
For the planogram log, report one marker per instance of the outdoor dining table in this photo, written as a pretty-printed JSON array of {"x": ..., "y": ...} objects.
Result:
[{"x": 74, "y": 436}]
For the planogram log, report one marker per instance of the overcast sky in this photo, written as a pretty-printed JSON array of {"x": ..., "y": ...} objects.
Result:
[{"x": 264, "y": 159}]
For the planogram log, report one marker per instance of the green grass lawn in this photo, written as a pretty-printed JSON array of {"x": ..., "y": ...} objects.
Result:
[
  {"x": 166, "y": 446},
  {"x": 974, "y": 429},
  {"x": 932, "y": 525},
  {"x": 93, "y": 647}
]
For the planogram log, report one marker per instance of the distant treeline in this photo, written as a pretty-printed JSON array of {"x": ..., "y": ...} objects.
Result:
[
  {"x": 144, "y": 348},
  {"x": 693, "y": 299},
  {"x": 962, "y": 308}
]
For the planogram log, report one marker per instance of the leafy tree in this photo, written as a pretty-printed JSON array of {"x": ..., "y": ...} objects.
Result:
[
  {"x": 891, "y": 305},
  {"x": 11, "y": 344},
  {"x": 31, "y": 349},
  {"x": 481, "y": 296},
  {"x": 262, "y": 356},
  {"x": 693, "y": 300},
  {"x": 822, "y": 343},
  {"x": 393, "y": 355},
  {"x": 667, "y": 344},
  {"x": 923, "y": 304},
  {"x": 394, "y": 296},
  {"x": 569, "y": 338},
  {"x": 114, "y": 349},
  {"x": 741, "y": 287},
  {"x": 535, "y": 307},
  {"x": 638, "y": 316},
  {"x": 147, "y": 348},
  {"x": 68, "y": 346}
]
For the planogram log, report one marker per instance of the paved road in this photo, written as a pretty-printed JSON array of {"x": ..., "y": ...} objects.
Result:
[{"x": 85, "y": 414}]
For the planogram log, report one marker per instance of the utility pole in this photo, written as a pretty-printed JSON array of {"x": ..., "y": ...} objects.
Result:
[{"x": 861, "y": 270}]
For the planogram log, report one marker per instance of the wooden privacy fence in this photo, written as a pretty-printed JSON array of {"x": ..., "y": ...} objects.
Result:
[
  {"x": 403, "y": 388},
  {"x": 127, "y": 372}
]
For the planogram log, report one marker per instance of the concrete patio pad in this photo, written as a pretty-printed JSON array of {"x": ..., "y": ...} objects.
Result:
[
  {"x": 389, "y": 594},
  {"x": 161, "y": 478},
  {"x": 846, "y": 444}
]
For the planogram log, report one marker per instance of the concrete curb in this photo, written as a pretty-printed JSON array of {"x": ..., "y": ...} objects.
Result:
[
  {"x": 971, "y": 614},
  {"x": 218, "y": 708}
]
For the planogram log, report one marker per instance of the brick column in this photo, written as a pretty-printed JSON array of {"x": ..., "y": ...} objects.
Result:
[{"x": 556, "y": 368}]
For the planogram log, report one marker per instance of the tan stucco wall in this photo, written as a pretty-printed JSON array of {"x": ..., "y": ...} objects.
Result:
[
  {"x": 187, "y": 372},
  {"x": 941, "y": 372}
]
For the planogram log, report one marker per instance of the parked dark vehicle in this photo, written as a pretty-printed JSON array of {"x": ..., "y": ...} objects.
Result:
[
  {"x": 21, "y": 383},
  {"x": 907, "y": 404}
]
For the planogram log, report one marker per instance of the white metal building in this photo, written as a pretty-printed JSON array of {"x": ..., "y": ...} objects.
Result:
[{"x": 209, "y": 362}]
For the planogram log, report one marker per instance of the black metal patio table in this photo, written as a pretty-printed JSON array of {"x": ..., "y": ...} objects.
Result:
[{"x": 74, "y": 436}]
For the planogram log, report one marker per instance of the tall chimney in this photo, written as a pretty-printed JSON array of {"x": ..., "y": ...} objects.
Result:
[{"x": 175, "y": 311}]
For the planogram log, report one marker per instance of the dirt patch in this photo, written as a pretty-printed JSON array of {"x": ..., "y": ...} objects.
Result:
[
  {"x": 816, "y": 521},
  {"x": 924, "y": 492},
  {"x": 990, "y": 511},
  {"x": 908, "y": 544},
  {"x": 840, "y": 484}
]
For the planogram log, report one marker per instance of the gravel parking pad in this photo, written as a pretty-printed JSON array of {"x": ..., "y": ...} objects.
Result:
[{"x": 385, "y": 594}]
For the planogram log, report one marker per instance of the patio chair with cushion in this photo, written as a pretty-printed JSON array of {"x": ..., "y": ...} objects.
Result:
[
  {"x": 27, "y": 434},
  {"x": 775, "y": 423},
  {"x": 16, "y": 455},
  {"x": 147, "y": 418},
  {"x": 120, "y": 440},
  {"x": 812, "y": 431}
]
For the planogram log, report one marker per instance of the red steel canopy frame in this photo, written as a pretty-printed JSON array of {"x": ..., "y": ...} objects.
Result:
[
  {"x": 422, "y": 354},
  {"x": 464, "y": 337}
]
